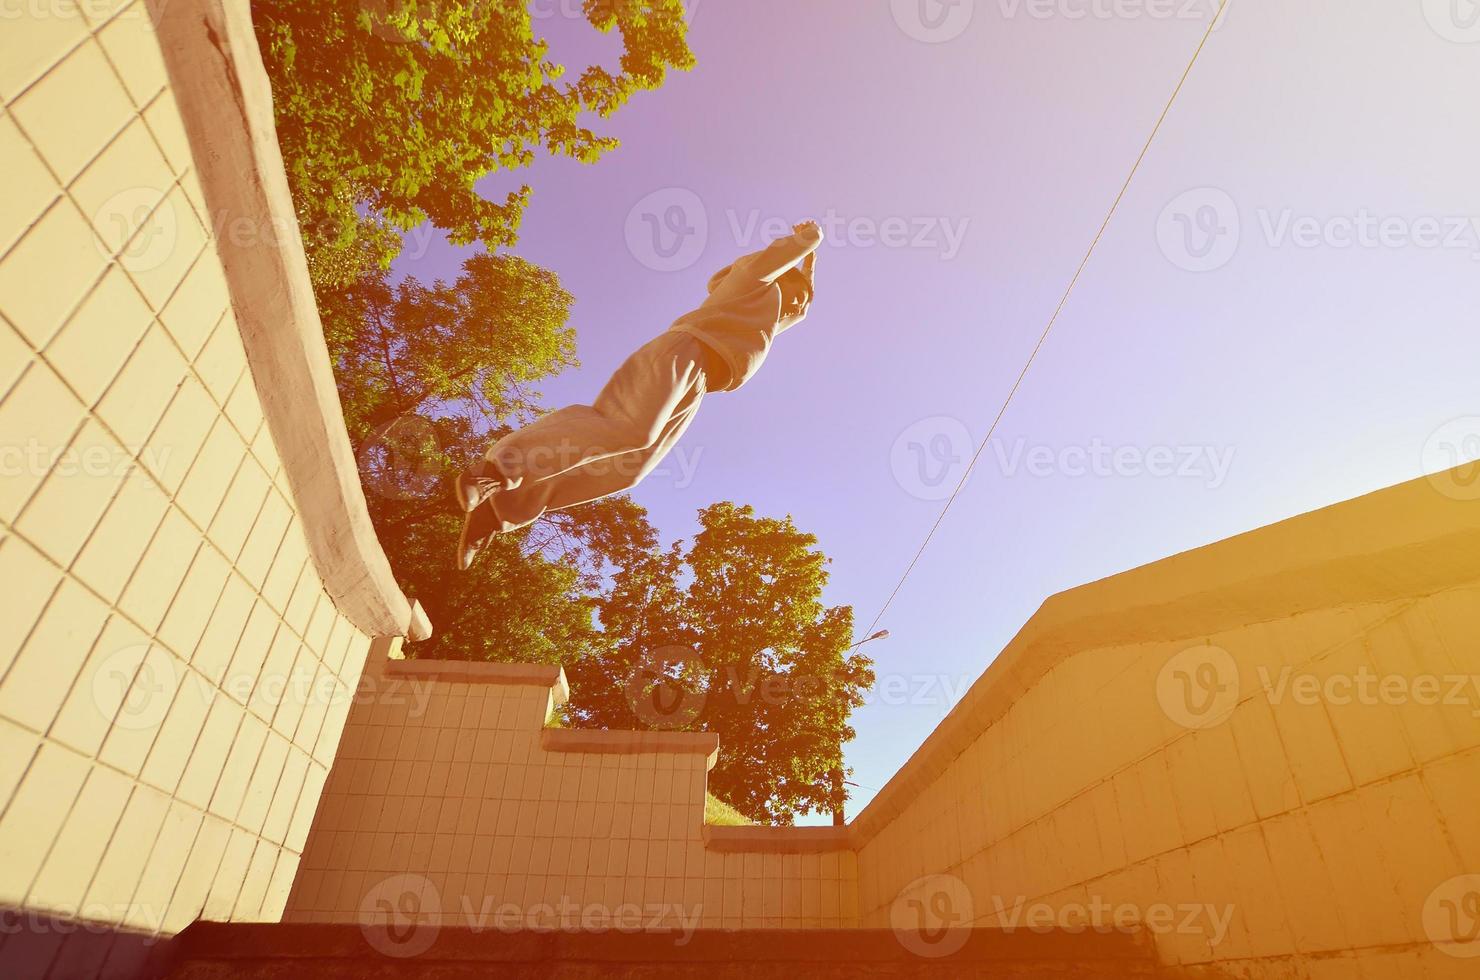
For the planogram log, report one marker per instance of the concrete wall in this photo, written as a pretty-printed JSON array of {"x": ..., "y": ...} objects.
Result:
[
  {"x": 452, "y": 802},
  {"x": 1281, "y": 730},
  {"x": 174, "y": 676}
]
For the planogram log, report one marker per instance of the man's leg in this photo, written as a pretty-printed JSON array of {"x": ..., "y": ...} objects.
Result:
[{"x": 587, "y": 452}]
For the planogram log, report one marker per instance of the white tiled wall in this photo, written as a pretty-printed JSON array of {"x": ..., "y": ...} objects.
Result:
[{"x": 173, "y": 678}]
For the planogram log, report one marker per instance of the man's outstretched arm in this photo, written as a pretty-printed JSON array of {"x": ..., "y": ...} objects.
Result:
[{"x": 784, "y": 254}]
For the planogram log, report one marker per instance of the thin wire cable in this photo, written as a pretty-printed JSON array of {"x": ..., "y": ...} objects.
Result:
[{"x": 1063, "y": 301}]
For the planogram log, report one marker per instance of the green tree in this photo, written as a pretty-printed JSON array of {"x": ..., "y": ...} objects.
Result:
[
  {"x": 731, "y": 636},
  {"x": 389, "y": 112},
  {"x": 428, "y": 375}
]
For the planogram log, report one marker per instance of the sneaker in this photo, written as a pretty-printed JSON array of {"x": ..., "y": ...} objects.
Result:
[
  {"x": 477, "y": 483},
  {"x": 479, "y": 528}
]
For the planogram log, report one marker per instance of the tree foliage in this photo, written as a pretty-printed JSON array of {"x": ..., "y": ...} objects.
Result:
[
  {"x": 389, "y": 112},
  {"x": 731, "y": 636}
]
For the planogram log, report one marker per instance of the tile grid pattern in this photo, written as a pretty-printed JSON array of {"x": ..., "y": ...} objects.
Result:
[
  {"x": 447, "y": 786},
  {"x": 173, "y": 679},
  {"x": 1326, "y": 827}
]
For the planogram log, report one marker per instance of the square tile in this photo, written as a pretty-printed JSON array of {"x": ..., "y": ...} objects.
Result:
[
  {"x": 164, "y": 248},
  {"x": 70, "y": 503},
  {"x": 29, "y": 45},
  {"x": 29, "y": 187},
  {"x": 177, "y": 441},
  {"x": 158, "y": 574},
  {"x": 37, "y": 421},
  {"x": 41, "y": 677},
  {"x": 210, "y": 476},
  {"x": 110, "y": 555},
  {"x": 198, "y": 305},
  {"x": 48, "y": 271},
  {"x": 102, "y": 684},
  {"x": 30, "y": 581},
  {"x": 36, "y": 813},
  {"x": 67, "y": 130},
  {"x": 98, "y": 339},
  {"x": 130, "y": 44},
  {"x": 122, "y": 187},
  {"x": 83, "y": 840},
  {"x": 136, "y": 400},
  {"x": 163, "y": 117}
]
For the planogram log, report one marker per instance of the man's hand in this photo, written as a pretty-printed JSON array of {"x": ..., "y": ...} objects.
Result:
[{"x": 799, "y": 285}]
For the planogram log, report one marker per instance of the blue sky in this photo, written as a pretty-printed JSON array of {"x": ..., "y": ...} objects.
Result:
[{"x": 1280, "y": 317}]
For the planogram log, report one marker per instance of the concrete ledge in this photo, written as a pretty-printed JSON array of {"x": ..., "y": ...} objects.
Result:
[
  {"x": 459, "y": 672},
  {"x": 1406, "y": 541},
  {"x": 631, "y": 743},
  {"x": 216, "y": 74},
  {"x": 211, "y": 949},
  {"x": 778, "y": 840}
]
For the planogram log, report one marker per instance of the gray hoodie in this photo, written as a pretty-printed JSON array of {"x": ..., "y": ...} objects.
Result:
[{"x": 742, "y": 314}]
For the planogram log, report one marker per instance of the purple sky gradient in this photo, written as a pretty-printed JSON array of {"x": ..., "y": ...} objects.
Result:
[{"x": 1314, "y": 371}]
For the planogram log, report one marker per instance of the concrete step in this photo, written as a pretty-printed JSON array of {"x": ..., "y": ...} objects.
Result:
[{"x": 280, "y": 951}]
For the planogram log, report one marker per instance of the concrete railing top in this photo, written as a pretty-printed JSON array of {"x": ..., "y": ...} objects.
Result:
[{"x": 216, "y": 74}]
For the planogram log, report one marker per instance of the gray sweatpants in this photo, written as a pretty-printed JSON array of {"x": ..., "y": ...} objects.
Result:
[{"x": 585, "y": 452}]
